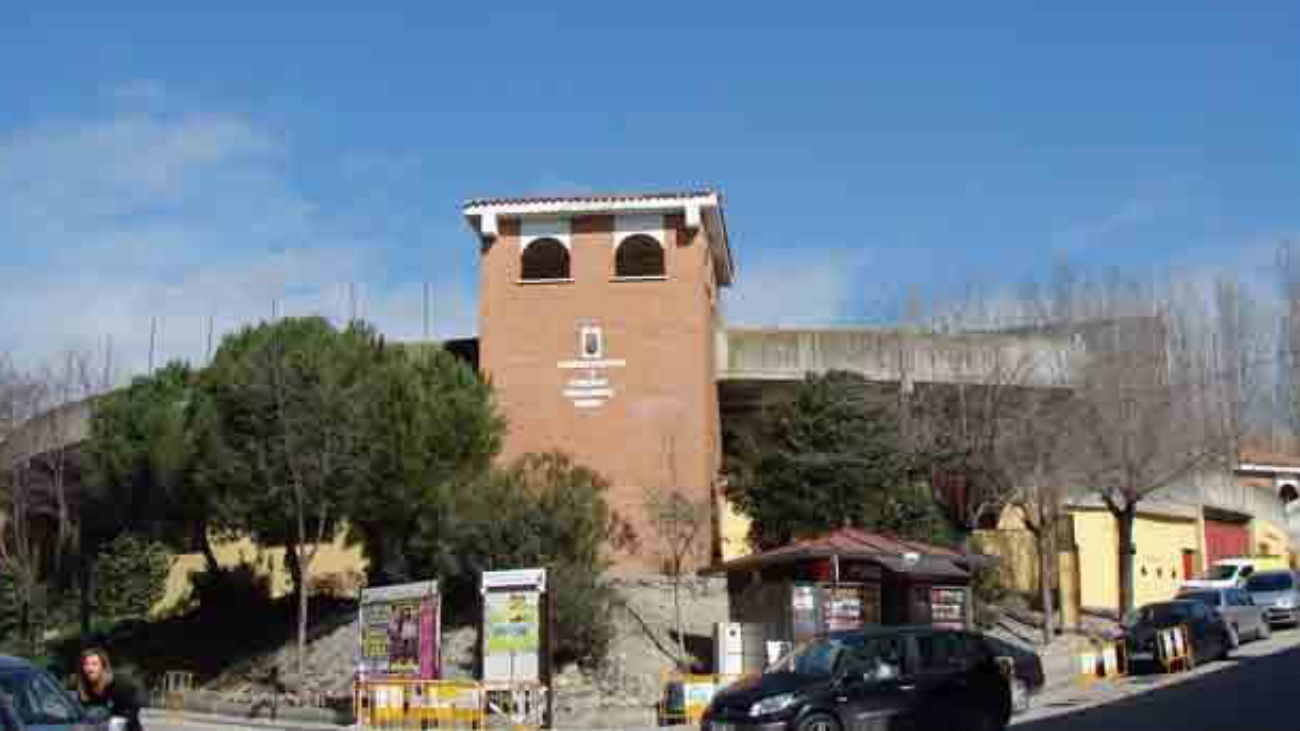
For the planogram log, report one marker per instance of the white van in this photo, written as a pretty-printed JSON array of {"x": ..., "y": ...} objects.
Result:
[{"x": 1229, "y": 573}]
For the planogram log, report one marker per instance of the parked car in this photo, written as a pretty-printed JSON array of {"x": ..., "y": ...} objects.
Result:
[
  {"x": 1246, "y": 620},
  {"x": 1278, "y": 593},
  {"x": 918, "y": 677},
  {"x": 31, "y": 700},
  {"x": 1028, "y": 678},
  {"x": 1210, "y": 636}
]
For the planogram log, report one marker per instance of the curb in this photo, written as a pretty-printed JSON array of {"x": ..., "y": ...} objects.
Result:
[
  {"x": 282, "y": 724},
  {"x": 213, "y": 719}
]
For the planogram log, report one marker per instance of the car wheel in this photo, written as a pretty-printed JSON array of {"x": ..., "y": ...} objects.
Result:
[
  {"x": 819, "y": 722},
  {"x": 974, "y": 718}
]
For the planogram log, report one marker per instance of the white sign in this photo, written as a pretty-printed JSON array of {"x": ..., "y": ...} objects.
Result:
[
  {"x": 589, "y": 388},
  {"x": 516, "y": 579},
  {"x": 581, "y": 393},
  {"x": 417, "y": 590},
  {"x": 602, "y": 363}
]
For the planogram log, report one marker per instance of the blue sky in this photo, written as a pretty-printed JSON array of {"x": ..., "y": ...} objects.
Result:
[{"x": 178, "y": 164}]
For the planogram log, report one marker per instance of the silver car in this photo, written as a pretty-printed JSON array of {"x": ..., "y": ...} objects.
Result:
[
  {"x": 1278, "y": 593},
  {"x": 1245, "y": 619}
]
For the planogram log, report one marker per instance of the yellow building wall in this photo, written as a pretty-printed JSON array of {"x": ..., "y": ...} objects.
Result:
[
  {"x": 1017, "y": 557},
  {"x": 1014, "y": 547},
  {"x": 1268, "y": 539},
  {"x": 1098, "y": 541},
  {"x": 335, "y": 559},
  {"x": 1157, "y": 566},
  {"x": 733, "y": 531}
]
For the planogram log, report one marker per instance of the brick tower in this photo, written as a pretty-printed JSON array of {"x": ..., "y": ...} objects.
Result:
[{"x": 597, "y": 327}]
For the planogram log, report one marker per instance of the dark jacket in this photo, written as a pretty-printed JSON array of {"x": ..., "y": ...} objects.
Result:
[{"x": 120, "y": 699}]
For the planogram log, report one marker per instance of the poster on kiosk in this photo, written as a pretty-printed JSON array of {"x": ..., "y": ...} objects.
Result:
[
  {"x": 514, "y": 627},
  {"x": 400, "y": 630}
]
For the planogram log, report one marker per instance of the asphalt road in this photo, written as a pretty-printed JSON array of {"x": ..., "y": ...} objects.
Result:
[{"x": 1257, "y": 690}]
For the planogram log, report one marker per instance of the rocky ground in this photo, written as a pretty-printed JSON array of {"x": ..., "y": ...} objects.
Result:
[
  {"x": 627, "y": 687},
  {"x": 624, "y": 691}
]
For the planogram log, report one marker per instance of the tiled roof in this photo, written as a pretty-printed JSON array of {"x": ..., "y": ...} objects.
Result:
[
  {"x": 845, "y": 543},
  {"x": 585, "y": 198}
]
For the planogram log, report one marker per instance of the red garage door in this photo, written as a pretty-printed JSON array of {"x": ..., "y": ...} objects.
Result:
[{"x": 1225, "y": 540}]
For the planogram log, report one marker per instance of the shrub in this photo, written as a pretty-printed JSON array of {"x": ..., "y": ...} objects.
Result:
[
  {"x": 336, "y": 584},
  {"x": 544, "y": 510},
  {"x": 583, "y": 630},
  {"x": 238, "y": 590},
  {"x": 130, "y": 577},
  {"x": 987, "y": 591}
]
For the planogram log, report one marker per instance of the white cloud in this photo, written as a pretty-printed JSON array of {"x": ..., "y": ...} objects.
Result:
[
  {"x": 1145, "y": 204},
  {"x": 111, "y": 224},
  {"x": 136, "y": 90},
  {"x": 795, "y": 288}
]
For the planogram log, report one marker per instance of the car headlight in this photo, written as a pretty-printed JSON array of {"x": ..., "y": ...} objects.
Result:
[
  {"x": 1287, "y": 603},
  {"x": 772, "y": 704}
]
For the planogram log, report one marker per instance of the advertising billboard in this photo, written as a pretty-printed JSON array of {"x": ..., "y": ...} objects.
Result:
[
  {"x": 513, "y": 626},
  {"x": 400, "y": 627}
]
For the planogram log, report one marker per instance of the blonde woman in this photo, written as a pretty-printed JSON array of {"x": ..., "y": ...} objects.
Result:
[{"x": 99, "y": 689}]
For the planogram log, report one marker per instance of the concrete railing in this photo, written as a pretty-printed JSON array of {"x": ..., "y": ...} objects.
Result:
[
  {"x": 1219, "y": 489},
  {"x": 60, "y": 428},
  {"x": 896, "y": 356}
]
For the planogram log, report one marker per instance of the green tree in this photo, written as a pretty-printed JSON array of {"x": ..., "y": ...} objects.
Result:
[
  {"x": 140, "y": 460},
  {"x": 288, "y": 431},
  {"x": 543, "y": 510},
  {"x": 131, "y": 577},
  {"x": 431, "y": 426},
  {"x": 831, "y": 456}
]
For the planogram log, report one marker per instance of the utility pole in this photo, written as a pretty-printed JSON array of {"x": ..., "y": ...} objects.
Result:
[
  {"x": 426, "y": 311},
  {"x": 208, "y": 354},
  {"x": 108, "y": 362},
  {"x": 153, "y": 337}
]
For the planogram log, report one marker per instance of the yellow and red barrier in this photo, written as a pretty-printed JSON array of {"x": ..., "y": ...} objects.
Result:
[
  {"x": 1175, "y": 650},
  {"x": 418, "y": 705},
  {"x": 685, "y": 696},
  {"x": 1097, "y": 660}
]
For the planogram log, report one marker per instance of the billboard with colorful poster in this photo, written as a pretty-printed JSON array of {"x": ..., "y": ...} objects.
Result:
[
  {"x": 513, "y": 626},
  {"x": 400, "y": 629}
]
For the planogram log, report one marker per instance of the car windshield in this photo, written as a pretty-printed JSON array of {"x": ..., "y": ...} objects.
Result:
[
  {"x": 37, "y": 700},
  {"x": 1270, "y": 582},
  {"x": 813, "y": 660},
  {"x": 1205, "y": 597},
  {"x": 1222, "y": 573}
]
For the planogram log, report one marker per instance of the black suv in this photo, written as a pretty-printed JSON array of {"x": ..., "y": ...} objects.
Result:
[{"x": 875, "y": 679}]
